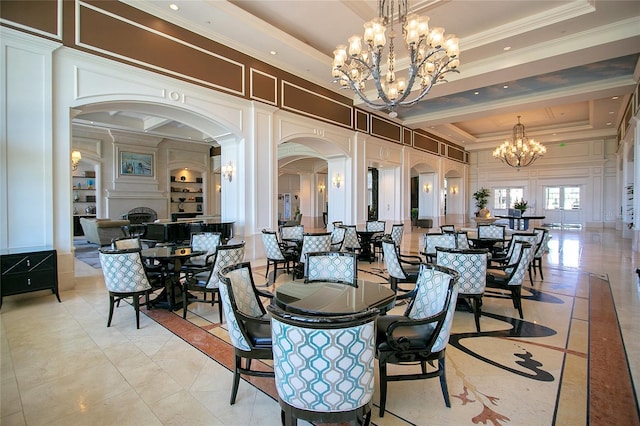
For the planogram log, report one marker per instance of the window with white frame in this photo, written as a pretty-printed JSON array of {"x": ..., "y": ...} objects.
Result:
[{"x": 504, "y": 198}]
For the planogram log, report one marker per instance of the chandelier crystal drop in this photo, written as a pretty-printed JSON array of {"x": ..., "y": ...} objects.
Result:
[
  {"x": 431, "y": 56},
  {"x": 520, "y": 151}
]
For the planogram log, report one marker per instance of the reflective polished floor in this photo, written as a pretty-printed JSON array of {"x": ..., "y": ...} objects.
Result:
[{"x": 563, "y": 364}]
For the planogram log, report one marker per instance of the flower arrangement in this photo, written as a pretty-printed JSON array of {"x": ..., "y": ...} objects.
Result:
[{"x": 521, "y": 205}]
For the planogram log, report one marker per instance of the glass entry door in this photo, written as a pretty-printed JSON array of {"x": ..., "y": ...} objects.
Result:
[{"x": 562, "y": 207}]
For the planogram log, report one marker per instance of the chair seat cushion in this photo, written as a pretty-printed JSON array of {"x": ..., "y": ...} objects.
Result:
[
  {"x": 259, "y": 333},
  {"x": 413, "y": 337},
  {"x": 497, "y": 274}
]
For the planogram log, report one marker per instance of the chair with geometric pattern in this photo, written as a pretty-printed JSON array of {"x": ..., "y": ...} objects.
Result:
[
  {"x": 337, "y": 238},
  {"x": 544, "y": 236},
  {"x": 401, "y": 269},
  {"x": 324, "y": 366},
  {"x": 433, "y": 240},
  {"x": 377, "y": 226},
  {"x": 248, "y": 324},
  {"x": 447, "y": 228},
  {"x": 511, "y": 276},
  {"x": 209, "y": 281},
  {"x": 276, "y": 253},
  {"x": 420, "y": 336},
  {"x": 492, "y": 230},
  {"x": 462, "y": 240},
  {"x": 471, "y": 266},
  {"x": 337, "y": 267},
  {"x": 311, "y": 243},
  {"x": 291, "y": 235},
  {"x": 205, "y": 241},
  {"x": 351, "y": 242},
  {"x": 125, "y": 276}
]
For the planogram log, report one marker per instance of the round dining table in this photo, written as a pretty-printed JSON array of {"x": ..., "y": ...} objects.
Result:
[
  {"x": 325, "y": 298},
  {"x": 171, "y": 258}
]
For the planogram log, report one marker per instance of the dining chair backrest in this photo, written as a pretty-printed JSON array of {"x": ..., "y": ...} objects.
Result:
[
  {"x": 337, "y": 223},
  {"x": 518, "y": 261},
  {"x": 227, "y": 255},
  {"x": 291, "y": 232},
  {"x": 471, "y": 266},
  {"x": 351, "y": 241},
  {"x": 436, "y": 291},
  {"x": 237, "y": 292},
  {"x": 462, "y": 240},
  {"x": 207, "y": 241},
  {"x": 337, "y": 238},
  {"x": 126, "y": 243},
  {"x": 431, "y": 241},
  {"x": 491, "y": 231},
  {"x": 527, "y": 237},
  {"x": 392, "y": 261},
  {"x": 124, "y": 271},
  {"x": 543, "y": 242},
  {"x": 375, "y": 226},
  {"x": 314, "y": 242},
  {"x": 271, "y": 244},
  {"x": 323, "y": 364},
  {"x": 340, "y": 267},
  {"x": 397, "y": 231},
  {"x": 447, "y": 228}
]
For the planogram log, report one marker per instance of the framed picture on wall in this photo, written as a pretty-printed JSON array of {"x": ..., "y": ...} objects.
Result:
[{"x": 136, "y": 164}]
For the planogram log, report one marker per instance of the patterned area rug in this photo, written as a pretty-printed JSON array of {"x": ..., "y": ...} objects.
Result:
[{"x": 87, "y": 252}]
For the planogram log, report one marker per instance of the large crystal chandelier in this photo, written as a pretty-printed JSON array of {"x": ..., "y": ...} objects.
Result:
[
  {"x": 431, "y": 57},
  {"x": 520, "y": 151}
]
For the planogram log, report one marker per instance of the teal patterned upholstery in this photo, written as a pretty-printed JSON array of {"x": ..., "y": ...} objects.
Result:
[
  {"x": 312, "y": 243},
  {"x": 124, "y": 276},
  {"x": 126, "y": 243},
  {"x": 542, "y": 248},
  {"x": 275, "y": 252},
  {"x": 331, "y": 266},
  {"x": 462, "y": 240},
  {"x": 375, "y": 226},
  {"x": 337, "y": 238},
  {"x": 511, "y": 276},
  {"x": 291, "y": 232},
  {"x": 399, "y": 270},
  {"x": 209, "y": 282},
  {"x": 471, "y": 266},
  {"x": 351, "y": 241},
  {"x": 248, "y": 323},
  {"x": 491, "y": 231},
  {"x": 397, "y": 230},
  {"x": 207, "y": 241},
  {"x": 420, "y": 336},
  {"x": 447, "y": 228},
  {"x": 431, "y": 241},
  {"x": 323, "y": 365}
]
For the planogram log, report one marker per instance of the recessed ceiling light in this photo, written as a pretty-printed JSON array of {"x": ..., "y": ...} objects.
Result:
[
  {"x": 506, "y": 86},
  {"x": 507, "y": 48},
  {"x": 609, "y": 124},
  {"x": 614, "y": 98},
  {"x": 611, "y": 112},
  {"x": 173, "y": 6},
  {"x": 273, "y": 52},
  {"x": 476, "y": 93}
]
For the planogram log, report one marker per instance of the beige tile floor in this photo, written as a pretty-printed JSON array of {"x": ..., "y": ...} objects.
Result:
[{"x": 61, "y": 365}]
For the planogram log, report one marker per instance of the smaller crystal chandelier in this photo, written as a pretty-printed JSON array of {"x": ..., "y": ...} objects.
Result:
[
  {"x": 520, "y": 151},
  {"x": 431, "y": 56}
]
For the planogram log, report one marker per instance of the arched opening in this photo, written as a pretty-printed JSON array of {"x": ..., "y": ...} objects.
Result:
[{"x": 426, "y": 194}]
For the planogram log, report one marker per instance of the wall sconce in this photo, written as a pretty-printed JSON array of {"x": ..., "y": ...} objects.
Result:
[
  {"x": 454, "y": 190},
  {"x": 75, "y": 159},
  {"x": 321, "y": 187},
  {"x": 219, "y": 188},
  {"x": 227, "y": 171},
  {"x": 337, "y": 180},
  {"x": 426, "y": 187}
]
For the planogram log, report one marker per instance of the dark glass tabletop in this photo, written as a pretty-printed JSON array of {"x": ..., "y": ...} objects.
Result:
[
  {"x": 326, "y": 298},
  {"x": 170, "y": 252}
]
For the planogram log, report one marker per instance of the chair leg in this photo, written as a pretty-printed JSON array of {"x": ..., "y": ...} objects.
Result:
[
  {"x": 382, "y": 367},
  {"x": 136, "y": 306},
  {"x": 236, "y": 379},
  {"x": 111, "y": 303},
  {"x": 443, "y": 381},
  {"x": 476, "y": 306},
  {"x": 516, "y": 293},
  {"x": 213, "y": 296},
  {"x": 540, "y": 268},
  {"x": 267, "y": 273},
  {"x": 185, "y": 296}
]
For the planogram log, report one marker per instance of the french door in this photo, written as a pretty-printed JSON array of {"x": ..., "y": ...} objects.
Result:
[{"x": 563, "y": 207}]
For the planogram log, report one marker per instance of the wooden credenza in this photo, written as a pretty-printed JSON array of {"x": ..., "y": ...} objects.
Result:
[{"x": 27, "y": 269}]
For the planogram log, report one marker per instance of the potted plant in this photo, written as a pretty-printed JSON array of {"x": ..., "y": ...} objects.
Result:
[
  {"x": 482, "y": 198},
  {"x": 414, "y": 216},
  {"x": 521, "y": 205}
]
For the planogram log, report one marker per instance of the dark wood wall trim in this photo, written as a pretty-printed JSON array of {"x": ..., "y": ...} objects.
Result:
[
  {"x": 263, "y": 87},
  {"x": 306, "y": 102},
  {"x": 385, "y": 129},
  {"x": 39, "y": 17},
  {"x": 137, "y": 38}
]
